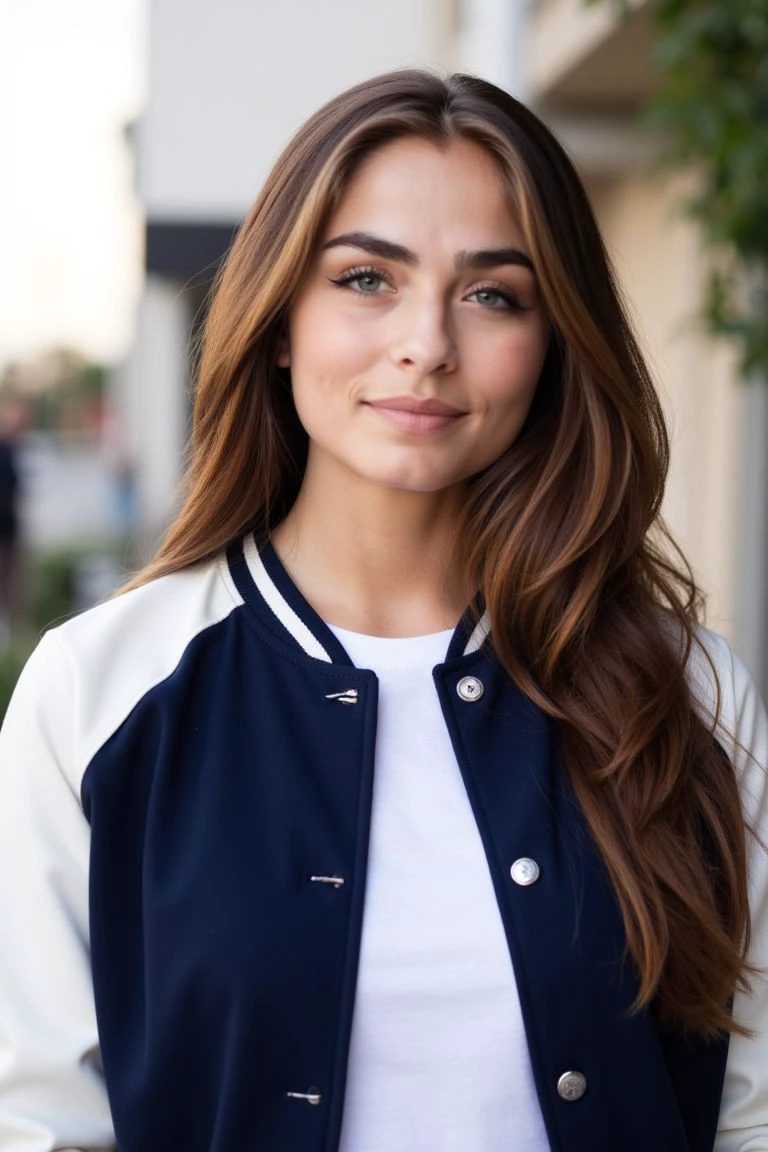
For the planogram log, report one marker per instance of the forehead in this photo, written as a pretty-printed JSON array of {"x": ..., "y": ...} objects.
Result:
[{"x": 412, "y": 187}]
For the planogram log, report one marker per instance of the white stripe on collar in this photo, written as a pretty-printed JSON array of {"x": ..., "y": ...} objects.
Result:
[
  {"x": 279, "y": 605},
  {"x": 481, "y": 630},
  {"x": 305, "y": 638}
]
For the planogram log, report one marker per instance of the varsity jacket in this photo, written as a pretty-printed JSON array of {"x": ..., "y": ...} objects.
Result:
[{"x": 177, "y": 768}]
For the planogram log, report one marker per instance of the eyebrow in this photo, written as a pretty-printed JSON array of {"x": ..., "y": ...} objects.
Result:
[{"x": 387, "y": 250}]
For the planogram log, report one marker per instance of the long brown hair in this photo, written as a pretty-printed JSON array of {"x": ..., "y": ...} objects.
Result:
[{"x": 592, "y": 615}]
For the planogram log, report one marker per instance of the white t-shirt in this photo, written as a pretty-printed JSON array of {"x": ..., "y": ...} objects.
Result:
[{"x": 438, "y": 1058}]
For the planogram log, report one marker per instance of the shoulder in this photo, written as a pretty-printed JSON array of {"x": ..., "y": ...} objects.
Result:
[
  {"x": 155, "y": 621},
  {"x": 728, "y": 698},
  {"x": 88, "y": 674}
]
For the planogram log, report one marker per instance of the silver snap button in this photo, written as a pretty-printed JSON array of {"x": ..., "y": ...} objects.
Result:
[
  {"x": 311, "y": 1097},
  {"x": 335, "y": 881},
  {"x": 470, "y": 688},
  {"x": 525, "y": 871},
  {"x": 348, "y": 696},
  {"x": 572, "y": 1085}
]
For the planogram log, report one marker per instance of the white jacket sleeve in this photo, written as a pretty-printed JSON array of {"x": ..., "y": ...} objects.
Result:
[
  {"x": 52, "y": 1093},
  {"x": 743, "y": 1124}
]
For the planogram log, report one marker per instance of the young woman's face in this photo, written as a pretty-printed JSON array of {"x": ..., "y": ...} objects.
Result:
[{"x": 416, "y": 343}]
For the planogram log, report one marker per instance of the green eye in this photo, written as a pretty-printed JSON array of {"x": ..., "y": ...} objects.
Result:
[
  {"x": 364, "y": 281},
  {"x": 493, "y": 298},
  {"x": 367, "y": 282}
]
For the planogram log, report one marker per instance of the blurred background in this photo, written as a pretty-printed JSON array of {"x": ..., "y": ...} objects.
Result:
[{"x": 135, "y": 135}]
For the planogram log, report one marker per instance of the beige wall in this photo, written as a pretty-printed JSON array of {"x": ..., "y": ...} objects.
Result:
[
  {"x": 661, "y": 266},
  {"x": 582, "y": 53}
]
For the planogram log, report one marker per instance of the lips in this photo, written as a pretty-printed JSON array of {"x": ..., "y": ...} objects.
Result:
[
  {"x": 416, "y": 417},
  {"x": 411, "y": 404}
]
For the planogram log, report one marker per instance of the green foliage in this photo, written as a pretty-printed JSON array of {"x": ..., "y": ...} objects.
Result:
[
  {"x": 11, "y": 663},
  {"x": 61, "y": 388},
  {"x": 57, "y": 587},
  {"x": 92, "y": 380},
  {"x": 52, "y": 588},
  {"x": 52, "y": 594},
  {"x": 711, "y": 110}
]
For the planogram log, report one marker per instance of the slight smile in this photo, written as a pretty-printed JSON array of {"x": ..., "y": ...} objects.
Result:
[{"x": 416, "y": 417}]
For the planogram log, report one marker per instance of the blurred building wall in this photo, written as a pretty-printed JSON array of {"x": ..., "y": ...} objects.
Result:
[{"x": 588, "y": 73}]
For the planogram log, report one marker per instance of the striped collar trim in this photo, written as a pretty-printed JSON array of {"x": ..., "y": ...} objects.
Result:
[
  {"x": 479, "y": 635},
  {"x": 278, "y": 604},
  {"x": 264, "y": 585}
]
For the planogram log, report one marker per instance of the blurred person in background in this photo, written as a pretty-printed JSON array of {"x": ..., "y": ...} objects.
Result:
[
  {"x": 12, "y": 420},
  {"x": 401, "y": 802}
]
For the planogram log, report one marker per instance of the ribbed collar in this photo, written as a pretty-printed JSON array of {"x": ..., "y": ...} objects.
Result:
[{"x": 266, "y": 587}]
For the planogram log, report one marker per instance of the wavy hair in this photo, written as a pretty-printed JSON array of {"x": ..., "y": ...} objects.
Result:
[{"x": 592, "y": 614}]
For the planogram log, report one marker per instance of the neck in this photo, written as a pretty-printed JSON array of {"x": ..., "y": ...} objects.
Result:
[{"x": 373, "y": 559}]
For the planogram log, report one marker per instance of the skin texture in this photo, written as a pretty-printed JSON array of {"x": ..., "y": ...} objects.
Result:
[{"x": 412, "y": 369}]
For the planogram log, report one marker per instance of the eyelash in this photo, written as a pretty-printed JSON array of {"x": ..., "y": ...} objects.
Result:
[
  {"x": 347, "y": 280},
  {"x": 510, "y": 300}
]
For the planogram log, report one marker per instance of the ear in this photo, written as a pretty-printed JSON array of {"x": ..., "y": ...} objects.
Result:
[{"x": 283, "y": 353}]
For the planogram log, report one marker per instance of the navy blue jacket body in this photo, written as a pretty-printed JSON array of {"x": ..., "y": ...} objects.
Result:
[{"x": 225, "y": 979}]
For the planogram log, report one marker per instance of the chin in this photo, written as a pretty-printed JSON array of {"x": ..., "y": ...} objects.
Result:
[{"x": 409, "y": 481}]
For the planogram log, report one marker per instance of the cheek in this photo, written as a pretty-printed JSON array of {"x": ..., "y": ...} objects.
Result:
[
  {"x": 326, "y": 344},
  {"x": 510, "y": 372},
  {"x": 325, "y": 363}
]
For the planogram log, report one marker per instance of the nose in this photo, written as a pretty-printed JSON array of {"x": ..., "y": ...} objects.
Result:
[{"x": 423, "y": 340}]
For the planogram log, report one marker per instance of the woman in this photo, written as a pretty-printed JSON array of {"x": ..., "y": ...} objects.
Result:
[{"x": 421, "y": 533}]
